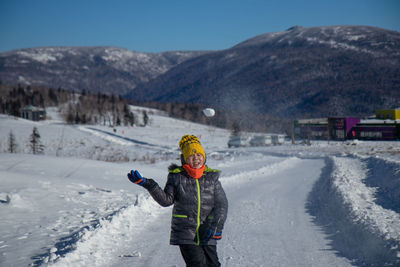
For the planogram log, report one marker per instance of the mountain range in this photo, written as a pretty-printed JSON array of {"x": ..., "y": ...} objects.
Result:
[
  {"x": 300, "y": 72},
  {"x": 110, "y": 70}
]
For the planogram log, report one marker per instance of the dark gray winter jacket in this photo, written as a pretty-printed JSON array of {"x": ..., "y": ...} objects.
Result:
[{"x": 196, "y": 202}]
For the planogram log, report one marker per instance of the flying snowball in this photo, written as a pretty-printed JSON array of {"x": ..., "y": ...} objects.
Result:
[{"x": 209, "y": 112}]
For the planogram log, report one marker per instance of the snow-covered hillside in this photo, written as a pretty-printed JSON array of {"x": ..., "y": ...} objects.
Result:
[
  {"x": 328, "y": 204},
  {"x": 104, "y": 69}
]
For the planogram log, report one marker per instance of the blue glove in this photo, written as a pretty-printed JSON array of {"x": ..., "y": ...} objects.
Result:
[{"x": 135, "y": 177}]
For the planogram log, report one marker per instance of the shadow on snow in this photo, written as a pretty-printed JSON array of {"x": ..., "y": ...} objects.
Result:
[
  {"x": 348, "y": 238},
  {"x": 385, "y": 177}
]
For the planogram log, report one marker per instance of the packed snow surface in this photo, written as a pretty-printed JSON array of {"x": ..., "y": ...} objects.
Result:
[{"x": 324, "y": 204}]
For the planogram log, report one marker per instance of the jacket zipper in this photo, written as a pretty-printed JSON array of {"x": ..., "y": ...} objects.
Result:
[{"x": 198, "y": 212}]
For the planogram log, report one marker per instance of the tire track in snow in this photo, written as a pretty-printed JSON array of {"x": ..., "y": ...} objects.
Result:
[
  {"x": 72, "y": 172},
  {"x": 14, "y": 165}
]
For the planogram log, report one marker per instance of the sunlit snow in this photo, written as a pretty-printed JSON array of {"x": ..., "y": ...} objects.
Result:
[{"x": 289, "y": 205}]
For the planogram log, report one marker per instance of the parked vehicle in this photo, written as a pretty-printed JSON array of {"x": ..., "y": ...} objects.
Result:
[
  {"x": 278, "y": 139},
  {"x": 261, "y": 140},
  {"x": 238, "y": 141}
]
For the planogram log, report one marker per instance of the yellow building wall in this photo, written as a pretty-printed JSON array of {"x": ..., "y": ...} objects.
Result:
[{"x": 389, "y": 114}]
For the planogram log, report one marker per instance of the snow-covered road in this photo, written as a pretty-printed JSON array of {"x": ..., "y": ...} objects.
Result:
[{"x": 267, "y": 225}]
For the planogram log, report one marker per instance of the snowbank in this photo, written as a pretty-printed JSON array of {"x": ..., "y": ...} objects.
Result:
[
  {"x": 348, "y": 178},
  {"x": 99, "y": 245},
  {"x": 344, "y": 207}
]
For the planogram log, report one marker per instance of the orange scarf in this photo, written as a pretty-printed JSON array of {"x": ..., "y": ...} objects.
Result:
[{"x": 194, "y": 173}]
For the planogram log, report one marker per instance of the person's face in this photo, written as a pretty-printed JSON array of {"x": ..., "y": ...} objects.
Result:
[{"x": 195, "y": 161}]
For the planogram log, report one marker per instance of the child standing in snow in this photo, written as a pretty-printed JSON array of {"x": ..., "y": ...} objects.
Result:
[{"x": 200, "y": 205}]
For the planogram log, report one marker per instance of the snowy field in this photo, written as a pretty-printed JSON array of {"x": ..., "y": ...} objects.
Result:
[{"x": 327, "y": 204}]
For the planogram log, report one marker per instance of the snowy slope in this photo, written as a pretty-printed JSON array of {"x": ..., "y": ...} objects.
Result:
[
  {"x": 289, "y": 205},
  {"x": 97, "y": 69}
]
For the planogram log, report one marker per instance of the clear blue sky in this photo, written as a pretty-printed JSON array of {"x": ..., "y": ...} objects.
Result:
[{"x": 166, "y": 25}]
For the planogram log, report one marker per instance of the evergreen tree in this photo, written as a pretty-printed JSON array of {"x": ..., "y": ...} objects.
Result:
[
  {"x": 69, "y": 114},
  {"x": 70, "y": 118},
  {"x": 145, "y": 118},
  {"x": 12, "y": 145},
  {"x": 15, "y": 107},
  {"x": 83, "y": 119},
  {"x": 131, "y": 118},
  {"x": 77, "y": 118},
  {"x": 41, "y": 101},
  {"x": 36, "y": 145},
  {"x": 235, "y": 128},
  {"x": 53, "y": 96}
]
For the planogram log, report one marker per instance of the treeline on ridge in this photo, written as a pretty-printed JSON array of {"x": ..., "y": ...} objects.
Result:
[
  {"x": 82, "y": 107},
  {"x": 76, "y": 107}
]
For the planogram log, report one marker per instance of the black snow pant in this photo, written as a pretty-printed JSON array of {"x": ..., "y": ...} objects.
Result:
[{"x": 200, "y": 256}]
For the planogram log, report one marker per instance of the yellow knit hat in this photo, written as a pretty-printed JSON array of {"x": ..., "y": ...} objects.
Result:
[{"x": 190, "y": 145}]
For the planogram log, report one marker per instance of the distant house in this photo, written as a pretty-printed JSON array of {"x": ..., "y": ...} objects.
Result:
[
  {"x": 311, "y": 128},
  {"x": 377, "y": 130},
  {"x": 33, "y": 113},
  {"x": 388, "y": 114},
  {"x": 334, "y": 128},
  {"x": 386, "y": 126},
  {"x": 340, "y": 128}
]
